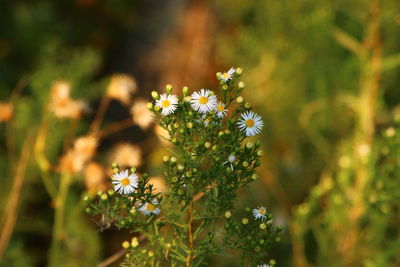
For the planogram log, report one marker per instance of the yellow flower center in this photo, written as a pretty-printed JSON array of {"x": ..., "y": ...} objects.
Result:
[
  {"x": 203, "y": 100},
  {"x": 125, "y": 182},
  {"x": 150, "y": 207},
  {"x": 262, "y": 211},
  {"x": 224, "y": 75},
  {"x": 165, "y": 103},
  {"x": 220, "y": 108},
  {"x": 250, "y": 123}
]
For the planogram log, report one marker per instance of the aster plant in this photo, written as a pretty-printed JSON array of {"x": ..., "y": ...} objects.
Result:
[{"x": 210, "y": 162}]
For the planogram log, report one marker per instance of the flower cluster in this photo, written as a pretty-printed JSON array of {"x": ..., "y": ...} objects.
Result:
[{"x": 210, "y": 161}]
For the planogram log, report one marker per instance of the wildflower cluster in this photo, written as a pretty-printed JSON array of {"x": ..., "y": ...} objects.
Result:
[{"x": 210, "y": 162}]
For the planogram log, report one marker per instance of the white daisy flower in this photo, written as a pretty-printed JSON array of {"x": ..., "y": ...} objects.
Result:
[
  {"x": 226, "y": 76},
  {"x": 150, "y": 208},
  {"x": 231, "y": 160},
  {"x": 220, "y": 110},
  {"x": 260, "y": 213},
  {"x": 167, "y": 103},
  {"x": 250, "y": 123},
  {"x": 203, "y": 102},
  {"x": 125, "y": 183}
]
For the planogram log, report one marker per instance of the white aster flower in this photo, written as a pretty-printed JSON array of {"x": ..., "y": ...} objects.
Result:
[
  {"x": 167, "y": 103},
  {"x": 260, "y": 213},
  {"x": 203, "y": 102},
  {"x": 150, "y": 208},
  {"x": 220, "y": 110},
  {"x": 250, "y": 123},
  {"x": 231, "y": 160},
  {"x": 125, "y": 183},
  {"x": 226, "y": 76}
]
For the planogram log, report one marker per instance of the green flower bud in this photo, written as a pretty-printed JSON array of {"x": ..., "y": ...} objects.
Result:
[
  {"x": 86, "y": 198},
  {"x": 257, "y": 163},
  {"x": 241, "y": 84},
  {"x": 174, "y": 179},
  {"x": 188, "y": 174},
  {"x": 247, "y": 105},
  {"x": 247, "y": 209},
  {"x": 168, "y": 245},
  {"x": 272, "y": 262},
  {"x": 239, "y": 71},
  {"x": 114, "y": 165},
  {"x": 225, "y": 87},
  {"x": 187, "y": 99},
  {"x": 125, "y": 244},
  {"x": 181, "y": 130},
  {"x": 115, "y": 170},
  {"x": 239, "y": 100},
  {"x": 133, "y": 170},
  {"x": 254, "y": 176},
  {"x": 181, "y": 167},
  {"x": 190, "y": 113},
  {"x": 151, "y": 253},
  {"x": 168, "y": 88},
  {"x": 174, "y": 140},
  {"x": 88, "y": 210},
  {"x": 228, "y": 214},
  {"x": 104, "y": 197},
  {"x": 215, "y": 147},
  {"x": 155, "y": 95},
  {"x": 227, "y": 131},
  {"x": 263, "y": 226},
  {"x": 245, "y": 164},
  {"x": 258, "y": 144},
  {"x": 156, "y": 108},
  {"x": 260, "y": 153},
  {"x": 180, "y": 192},
  {"x": 189, "y": 125},
  {"x": 185, "y": 90},
  {"x": 220, "y": 134},
  {"x": 173, "y": 160},
  {"x": 228, "y": 169},
  {"x": 207, "y": 145},
  {"x": 150, "y": 106},
  {"x": 245, "y": 221},
  {"x": 176, "y": 125},
  {"x": 110, "y": 192},
  {"x": 135, "y": 242},
  {"x": 165, "y": 158},
  {"x": 194, "y": 170},
  {"x": 211, "y": 93},
  {"x": 249, "y": 145},
  {"x": 261, "y": 241},
  {"x": 257, "y": 249}
]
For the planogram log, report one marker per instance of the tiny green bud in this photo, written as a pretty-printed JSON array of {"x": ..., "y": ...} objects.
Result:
[
  {"x": 86, "y": 198},
  {"x": 174, "y": 179},
  {"x": 181, "y": 130},
  {"x": 125, "y": 244},
  {"x": 145, "y": 175},
  {"x": 165, "y": 158},
  {"x": 168, "y": 245},
  {"x": 150, "y": 106},
  {"x": 257, "y": 249},
  {"x": 174, "y": 140},
  {"x": 151, "y": 253},
  {"x": 258, "y": 144},
  {"x": 155, "y": 95},
  {"x": 263, "y": 226},
  {"x": 135, "y": 242},
  {"x": 194, "y": 170},
  {"x": 185, "y": 90},
  {"x": 207, "y": 144},
  {"x": 115, "y": 170},
  {"x": 228, "y": 214},
  {"x": 228, "y": 169},
  {"x": 261, "y": 241},
  {"x": 247, "y": 209},
  {"x": 104, "y": 197},
  {"x": 249, "y": 145},
  {"x": 225, "y": 87},
  {"x": 190, "y": 113},
  {"x": 110, "y": 192},
  {"x": 173, "y": 160},
  {"x": 180, "y": 192},
  {"x": 272, "y": 262},
  {"x": 245, "y": 164},
  {"x": 189, "y": 125},
  {"x": 241, "y": 84},
  {"x": 181, "y": 167},
  {"x": 188, "y": 174},
  {"x": 168, "y": 88},
  {"x": 260, "y": 153},
  {"x": 156, "y": 108},
  {"x": 215, "y": 147},
  {"x": 227, "y": 131},
  {"x": 245, "y": 221},
  {"x": 247, "y": 105},
  {"x": 114, "y": 165},
  {"x": 133, "y": 170},
  {"x": 88, "y": 210},
  {"x": 239, "y": 99},
  {"x": 187, "y": 99},
  {"x": 239, "y": 71},
  {"x": 220, "y": 134},
  {"x": 279, "y": 228},
  {"x": 254, "y": 176},
  {"x": 176, "y": 125},
  {"x": 211, "y": 93},
  {"x": 257, "y": 163}
]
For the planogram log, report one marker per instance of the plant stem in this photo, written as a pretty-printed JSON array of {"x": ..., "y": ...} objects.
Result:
[{"x": 190, "y": 255}]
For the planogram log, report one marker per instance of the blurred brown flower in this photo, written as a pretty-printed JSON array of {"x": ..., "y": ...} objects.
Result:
[
  {"x": 95, "y": 176},
  {"x": 162, "y": 134},
  {"x": 61, "y": 103},
  {"x": 6, "y": 111},
  {"x": 127, "y": 155},
  {"x": 121, "y": 87},
  {"x": 142, "y": 116}
]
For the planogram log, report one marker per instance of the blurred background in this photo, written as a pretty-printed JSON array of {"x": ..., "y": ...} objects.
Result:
[{"x": 75, "y": 77}]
